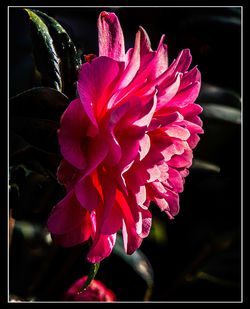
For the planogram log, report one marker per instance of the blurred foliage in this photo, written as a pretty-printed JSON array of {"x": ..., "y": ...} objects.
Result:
[{"x": 197, "y": 256}]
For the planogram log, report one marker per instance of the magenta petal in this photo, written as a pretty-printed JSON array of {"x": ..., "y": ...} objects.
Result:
[
  {"x": 131, "y": 239},
  {"x": 113, "y": 222},
  {"x": 119, "y": 119},
  {"x": 161, "y": 62},
  {"x": 190, "y": 77},
  {"x": 147, "y": 56},
  {"x": 96, "y": 153},
  {"x": 102, "y": 244},
  {"x": 192, "y": 126},
  {"x": 130, "y": 149},
  {"x": 69, "y": 223},
  {"x": 183, "y": 61},
  {"x": 109, "y": 185},
  {"x": 173, "y": 202},
  {"x": 65, "y": 173},
  {"x": 177, "y": 132},
  {"x": 62, "y": 219},
  {"x": 193, "y": 140},
  {"x": 102, "y": 249},
  {"x": 191, "y": 110},
  {"x": 72, "y": 238},
  {"x": 144, "y": 144},
  {"x": 166, "y": 199},
  {"x": 132, "y": 67},
  {"x": 183, "y": 160},
  {"x": 146, "y": 223},
  {"x": 72, "y": 131},
  {"x": 147, "y": 112},
  {"x": 164, "y": 119},
  {"x": 132, "y": 113},
  {"x": 180, "y": 65},
  {"x": 86, "y": 193},
  {"x": 166, "y": 94},
  {"x": 93, "y": 98},
  {"x": 175, "y": 181},
  {"x": 186, "y": 96},
  {"x": 135, "y": 183},
  {"x": 145, "y": 44},
  {"x": 110, "y": 35}
]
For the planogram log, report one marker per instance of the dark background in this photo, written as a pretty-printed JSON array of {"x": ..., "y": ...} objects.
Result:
[{"x": 197, "y": 256}]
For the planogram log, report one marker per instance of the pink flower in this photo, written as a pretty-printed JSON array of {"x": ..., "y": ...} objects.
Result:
[
  {"x": 96, "y": 291},
  {"x": 127, "y": 140}
]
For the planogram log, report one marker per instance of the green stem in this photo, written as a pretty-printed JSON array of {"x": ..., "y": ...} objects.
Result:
[{"x": 91, "y": 275}]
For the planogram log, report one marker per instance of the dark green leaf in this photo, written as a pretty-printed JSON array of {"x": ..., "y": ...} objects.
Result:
[
  {"x": 34, "y": 120},
  {"x": 46, "y": 58},
  {"x": 92, "y": 273},
  {"x": 138, "y": 261},
  {"x": 41, "y": 133},
  {"x": 70, "y": 61},
  {"x": 40, "y": 102},
  {"x": 38, "y": 192},
  {"x": 33, "y": 157}
]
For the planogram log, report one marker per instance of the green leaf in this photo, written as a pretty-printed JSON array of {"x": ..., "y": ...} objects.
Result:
[
  {"x": 34, "y": 119},
  {"x": 91, "y": 275},
  {"x": 222, "y": 112},
  {"x": 70, "y": 61},
  {"x": 205, "y": 166},
  {"x": 39, "y": 102},
  {"x": 46, "y": 58},
  {"x": 138, "y": 261},
  {"x": 41, "y": 133},
  {"x": 218, "y": 95}
]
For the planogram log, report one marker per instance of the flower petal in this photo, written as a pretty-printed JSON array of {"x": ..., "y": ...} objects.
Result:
[
  {"x": 69, "y": 223},
  {"x": 65, "y": 173},
  {"x": 110, "y": 35},
  {"x": 102, "y": 244},
  {"x": 131, "y": 239},
  {"x": 94, "y": 98},
  {"x": 102, "y": 249},
  {"x": 183, "y": 160},
  {"x": 146, "y": 218},
  {"x": 113, "y": 222},
  {"x": 87, "y": 194},
  {"x": 72, "y": 132},
  {"x": 186, "y": 96},
  {"x": 131, "y": 69}
]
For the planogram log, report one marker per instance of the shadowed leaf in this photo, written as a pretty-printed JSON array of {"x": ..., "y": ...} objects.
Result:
[
  {"x": 70, "y": 61},
  {"x": 39, "y": 102},
  {"x": 138, "y": 261},
  {"x": 46, "y": 58},
  {"x": 41, "y": 133}
]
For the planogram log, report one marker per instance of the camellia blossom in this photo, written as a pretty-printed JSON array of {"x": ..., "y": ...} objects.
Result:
[
  {"x": 126, "y": 140},
  {"x": 96, "y": 291}
]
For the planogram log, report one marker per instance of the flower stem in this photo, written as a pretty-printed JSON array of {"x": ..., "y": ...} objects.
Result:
[{"x": 91, "y": 275}]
